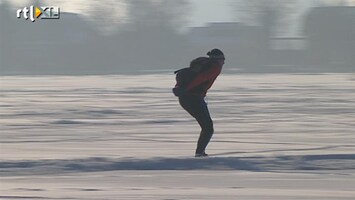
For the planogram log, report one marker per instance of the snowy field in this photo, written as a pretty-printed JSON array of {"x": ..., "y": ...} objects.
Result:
[{"x": 277, "y": 136}]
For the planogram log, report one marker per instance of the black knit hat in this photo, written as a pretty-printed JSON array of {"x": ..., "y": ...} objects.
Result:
[{"x": 216, "y": 54}]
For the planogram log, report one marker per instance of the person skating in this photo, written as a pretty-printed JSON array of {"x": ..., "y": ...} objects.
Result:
[{"x": 192, "y": 95}]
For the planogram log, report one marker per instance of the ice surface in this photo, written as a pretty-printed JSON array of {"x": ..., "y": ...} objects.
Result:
[{"x": 277, "y": 136}]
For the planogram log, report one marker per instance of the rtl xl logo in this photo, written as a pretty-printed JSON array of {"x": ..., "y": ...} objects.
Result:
[{"x": 47, "y": 12}]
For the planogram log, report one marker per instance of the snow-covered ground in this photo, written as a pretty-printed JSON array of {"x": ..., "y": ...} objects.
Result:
[{"x": 277, "y": 136}]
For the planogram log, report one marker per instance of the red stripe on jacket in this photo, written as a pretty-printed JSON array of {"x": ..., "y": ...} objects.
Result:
[{"x": 207, "y": 77}]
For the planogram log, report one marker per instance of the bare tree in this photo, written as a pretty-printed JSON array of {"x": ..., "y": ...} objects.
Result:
[
  {"x": 333, "y": 2},
  {"x": 158, "y": 13},
  {"x": 274, "y": 14},
  {"x": 106, "y": 15}
]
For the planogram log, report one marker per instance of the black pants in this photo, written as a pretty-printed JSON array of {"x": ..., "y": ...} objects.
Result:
[{"x": 197, "y": 107}]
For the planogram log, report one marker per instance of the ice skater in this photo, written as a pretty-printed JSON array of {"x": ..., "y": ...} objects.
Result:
[{"x": 191, "y": 88}]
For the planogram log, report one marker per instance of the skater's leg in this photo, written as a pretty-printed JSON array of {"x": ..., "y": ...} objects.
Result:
[{"x": 197, "y": 108}]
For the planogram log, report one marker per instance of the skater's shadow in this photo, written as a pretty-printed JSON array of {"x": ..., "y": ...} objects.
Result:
[{"x": 259, "y": 163}]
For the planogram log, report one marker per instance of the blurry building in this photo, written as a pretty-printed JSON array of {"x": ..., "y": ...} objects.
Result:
[
  {"x": 48, "y": 46},
  {"x": 331, "y": 36}
]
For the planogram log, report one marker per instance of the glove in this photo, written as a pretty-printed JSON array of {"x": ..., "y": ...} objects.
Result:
[{"x": 179, "y": 91}]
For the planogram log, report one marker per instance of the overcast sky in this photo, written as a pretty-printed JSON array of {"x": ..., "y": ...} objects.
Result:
[{"x": 202, "y": 11}]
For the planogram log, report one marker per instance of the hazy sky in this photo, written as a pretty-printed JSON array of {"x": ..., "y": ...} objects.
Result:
[
  {"x": 202, "y": 11},
  {"x": 210, "y": 11}
]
